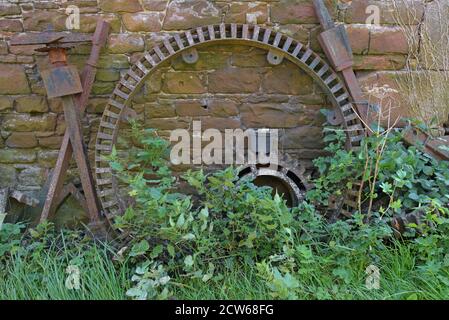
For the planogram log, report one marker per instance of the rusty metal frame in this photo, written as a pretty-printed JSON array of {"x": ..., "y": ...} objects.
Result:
[
  {"x": 243, "y": 34},
  {"x": 74, "y": 106}
]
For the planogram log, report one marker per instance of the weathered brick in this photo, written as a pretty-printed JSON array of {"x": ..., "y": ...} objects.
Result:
[
  {"x": 251, "y": 58},
  {"x": 296, "y": 11},
  {"x": 97, "y": 105},
  {"x": 125, "y": 43},
  {"x": 47, "y": 158},
  {"x": 28, "y": 50},
  {"x": 359, "y": 38},
  {"x": 39, "y": 20},
  {"x": 298, "y": 32},
  {"x": 287, "y": 79},
  {"x": 11, "y": 25},
  {"x": 88, "y": 22},
  {"x": 390, "y": 99},
  {"x": 17, "y": 156},
  {"x": 237, "y": 12},
  {"x": 388, "y": 40},
  {"x": 304, "y": 137},
  {"x": 115, "y": 61},
  {"x": 269, "y": 115},
  {"x": 184, "y": 82},
  {"x": 6, "y": 103},
  {"x": 192, "y": 108},
  {"x": 31, "y": 104},
  {"x": 160, "y": 109},
  {"x": 167, "y": 124},
  {"x": 219, "y": 123},
  {"x": 9, "y": 176},
  {"x": 234, "y": 80},
  {"x": 120, "y": 5},
  {"x": 379, "y": 62},
  {"x": 31, "y": 176},
  {"x": 189, "y": 14},
  {"x": 55, "y": 105},
  {"x": 107, "y": 75},
  {"x": 22, "y": 140},
  {"x": 9, "y": 9},
  {"x": 435, "y": 43},
  {"x": 222, "y": 108},
  {"x": 154, "y": 5},
  {"x": 52, "y": 142},
  {"x": 101, "y": 88},
  {"x": 206, "y": 61},
  {"x": 143, "y": 21},
  {"x": 17, "y": 81},
  {"x": 408, "y": 11},
  {"x": 3, "y": 47},
  {"x": 27, "y": 123}
]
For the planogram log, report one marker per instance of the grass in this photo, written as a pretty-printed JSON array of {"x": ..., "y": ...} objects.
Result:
[{"x": 43, "y": 277}]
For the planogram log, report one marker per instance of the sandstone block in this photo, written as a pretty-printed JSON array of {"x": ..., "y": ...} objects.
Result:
[
  {"x": 27, "y": 123},
  {"x": 287, "y": 79},
  {"x": 9, "y": 9},
  {"x": 17, "y": 81},
  {"x": 120, "y": 5},
  {"x": 184, "y": 82},
  {"x": 17, "y": 156},
  {"x": 22, "y": 140},
  {"x": 9, "y": 176},
  {"x": 143, "y": 21},
  {"x": 183, "y": 15},
  {"x": 31, "y": 104},
  {"x": 267, "y": 115},
  {"x": 388, "y": 40},
  {"x": 359, "y": 36},
  {"x": 125, "y": 43},
  {"x": 234, "y": 80},
  {"x": 6, "y": 103},
  {"x": 238, "y": 12},
  {"x": 11, "y": 25},
  {"x": 304, "y": 137}
]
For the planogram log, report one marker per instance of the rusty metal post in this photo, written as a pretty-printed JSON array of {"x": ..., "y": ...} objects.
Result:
[{"x": 335, "y": 43}]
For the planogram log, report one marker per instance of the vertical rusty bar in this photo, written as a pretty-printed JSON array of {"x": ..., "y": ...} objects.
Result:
[{"x": 73, "y": 122}]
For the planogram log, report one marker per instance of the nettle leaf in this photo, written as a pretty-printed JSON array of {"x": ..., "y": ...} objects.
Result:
[
  {"x": 139, "y": 248},
  {"x": 171, "y": 250},
  {"x": 188, "y": 261},
  {"x": 189, "y": 236},
  {"x": 181, "y": 221},
  {"x": 414, "y": 196},
  {"x": 156, "y": 251}
]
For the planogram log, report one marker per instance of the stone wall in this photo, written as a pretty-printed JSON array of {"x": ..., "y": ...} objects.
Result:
[{"x": 239, "y": 87}]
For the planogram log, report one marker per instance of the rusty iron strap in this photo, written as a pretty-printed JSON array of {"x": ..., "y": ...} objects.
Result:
[
  {"x": 65, "y": 154},
  {"x": 335, "y": 43}
]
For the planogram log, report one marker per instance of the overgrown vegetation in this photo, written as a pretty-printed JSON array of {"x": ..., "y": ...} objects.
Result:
[
  {"x": 424, "y": 84},
  {"x": 237, "y": 241}
]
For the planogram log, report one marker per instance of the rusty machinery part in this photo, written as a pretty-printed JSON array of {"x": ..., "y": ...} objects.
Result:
[
  {"x": 287, "y": 177},
  {"x": 243, "y": 34}
]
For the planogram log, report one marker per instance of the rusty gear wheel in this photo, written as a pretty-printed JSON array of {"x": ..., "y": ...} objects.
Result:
[{"x": 288, "y": 178}]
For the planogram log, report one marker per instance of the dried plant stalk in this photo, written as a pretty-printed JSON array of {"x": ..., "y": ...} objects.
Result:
[{"x": 425, "y": 82}]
